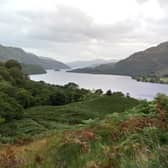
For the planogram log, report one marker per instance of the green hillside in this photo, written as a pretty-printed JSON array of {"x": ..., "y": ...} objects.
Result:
[
  {"x": 32, "y": 69},
  {"x": 41, "y": 119},
  {"x": 77, "y": 113}
]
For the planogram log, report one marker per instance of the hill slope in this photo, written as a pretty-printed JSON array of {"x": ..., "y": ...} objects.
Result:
[
  {"x": 78, "y": 112},
  {"x": 100, "y": 69},
  {"x": 89, "y": 63},
  {"x": 7, "y": 53},
  {"x": 153, "y": 60},
  {"x": 32, "y": 69}
]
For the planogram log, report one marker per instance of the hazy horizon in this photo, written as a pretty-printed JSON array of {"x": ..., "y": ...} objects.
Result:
[{"x": 77, "y": 30}]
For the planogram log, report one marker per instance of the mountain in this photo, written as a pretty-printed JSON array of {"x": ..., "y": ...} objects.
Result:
[
  {"x": 24, "y": 57},
  {"x": 153, "y": 60},
  {"x": 100, "y": 69},
  {"x": 89, "y": 63}
]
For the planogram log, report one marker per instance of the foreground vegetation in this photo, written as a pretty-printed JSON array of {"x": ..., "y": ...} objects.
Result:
[
  {"x": 48, "y": 126},
  {"x": 42, "y": 119},
  {"x": 134, "y": 138}
]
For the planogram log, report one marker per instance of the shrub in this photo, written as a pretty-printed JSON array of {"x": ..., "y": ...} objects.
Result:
[
  {"x": 9, "y": 108},
  {"x": 24, "y": 98},
  {"x": 57, "y": 98},
  {"x": 13, "y": 63},
  {"x": 108, "y": 93}
]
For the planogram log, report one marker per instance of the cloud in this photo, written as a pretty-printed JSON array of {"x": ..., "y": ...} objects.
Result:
[
  {"x": 64, "y": 25},
  {"x": 161, "y": 2},
  {"x": 141, "y": 1},
  {"x": 69, "y": 33}
]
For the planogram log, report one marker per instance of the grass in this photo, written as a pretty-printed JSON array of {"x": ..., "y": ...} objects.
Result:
[
  {"x": 76, "y": 113},
  {"x": 132, "y": 143},
  {"x": 135, "y": 141},
  {"x": 44, "y": 119},
  {"x": 134, "y": 138}
]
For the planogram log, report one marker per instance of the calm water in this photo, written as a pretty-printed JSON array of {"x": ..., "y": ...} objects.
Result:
[{"x": 115, "y": 83}]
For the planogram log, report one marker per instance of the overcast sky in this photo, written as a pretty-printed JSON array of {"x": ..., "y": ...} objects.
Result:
[{"x": 69, "y": 30}]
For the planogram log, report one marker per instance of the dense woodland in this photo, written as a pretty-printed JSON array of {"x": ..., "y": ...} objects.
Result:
[{"x": 49, "y": 126}]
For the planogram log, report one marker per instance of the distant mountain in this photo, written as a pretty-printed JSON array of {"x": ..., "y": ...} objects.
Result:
[
  {"x": 23, "y": 57},
  {"x": 100, "y": 69},
  {"x": 89, "y": 63},
  {"x": 153, "y": 60}
]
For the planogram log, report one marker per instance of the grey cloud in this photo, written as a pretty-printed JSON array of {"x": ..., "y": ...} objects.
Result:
[
  {"x": 161, "y": 2},
  {"x": 72, "y": 25},
  {"x": 141, "y": 1},
  {"x": 2, "y": 2},
  {"x": 68, "y": 33}
]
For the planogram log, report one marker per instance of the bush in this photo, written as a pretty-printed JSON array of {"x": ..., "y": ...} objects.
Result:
[
  {"x": 9, "y": 108},
  {"x": 12, "y": 63},
  {"x": 7, "y": 88},
  {"x": 99, "y": 91},
  {"x": 71, "y": 85},
  {"x": 120, "y": 94},
  {"x": 17, "y": 75},
  {"x": 24, "y": 98},
  {"x": 57, "y": 98},
  {"x": 5, "y": 74},
  {"x": 108, "y": 93}
]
